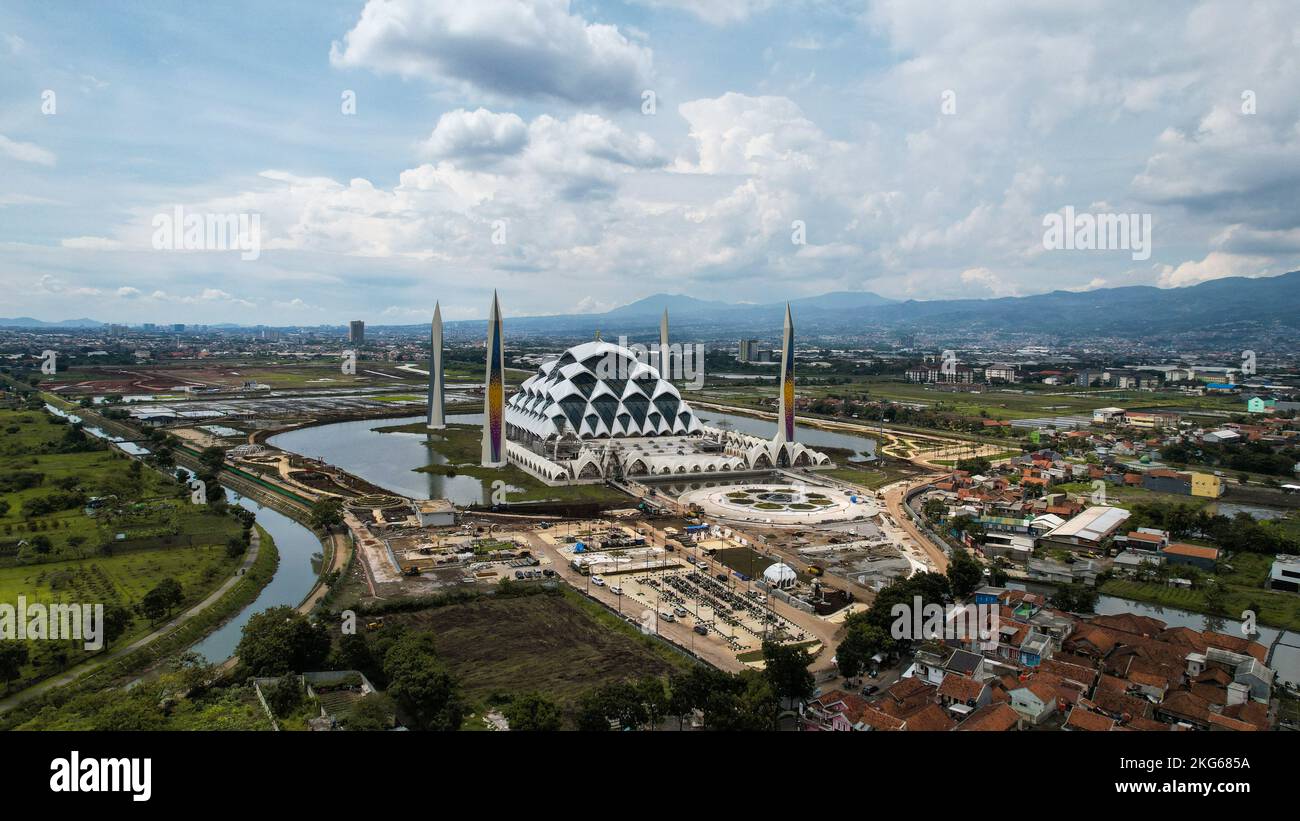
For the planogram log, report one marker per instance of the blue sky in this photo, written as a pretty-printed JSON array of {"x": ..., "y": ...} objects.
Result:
[{"x": 522, "y": 121}]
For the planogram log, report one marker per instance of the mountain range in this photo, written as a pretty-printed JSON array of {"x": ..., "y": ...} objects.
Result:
[{"x": 1222, "y": 305}]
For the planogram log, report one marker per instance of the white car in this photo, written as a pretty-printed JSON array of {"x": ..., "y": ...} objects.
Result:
[
  {"x": 598, "y": 581},
  {"x": 616, "y": 590}
]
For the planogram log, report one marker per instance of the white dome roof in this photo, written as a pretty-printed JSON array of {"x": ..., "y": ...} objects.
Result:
[
  {"x": 596, "y": 390},
  {"x": 779, "y": 573}
]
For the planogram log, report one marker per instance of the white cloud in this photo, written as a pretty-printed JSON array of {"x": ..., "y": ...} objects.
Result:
[
  {"x": 91, "y": 243},
  {"x": 462, "y": 133},
  {"x": 717, "y": 12},
  {"x": 1216, "y": 265},
  {"x": 27, "y": 152},
  {"x": 509, "y": 48}
]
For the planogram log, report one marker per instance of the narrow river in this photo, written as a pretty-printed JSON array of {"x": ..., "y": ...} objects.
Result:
[{"x": 293, "y": 579}]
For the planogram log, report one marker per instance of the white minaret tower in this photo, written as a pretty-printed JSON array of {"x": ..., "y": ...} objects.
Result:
[
  {"x": 437, "y": 418},
  {"x": 785, "y": 412},
  {"x": 664, "y": 360}
]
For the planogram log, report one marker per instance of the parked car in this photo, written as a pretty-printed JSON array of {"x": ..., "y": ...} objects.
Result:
[{"x": 870, "y": 690}]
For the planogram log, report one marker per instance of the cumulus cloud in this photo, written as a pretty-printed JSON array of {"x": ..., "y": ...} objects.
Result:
[
  {"x": 508, "y": 48},
  {"x": 462, "y": 133},
  {"x": 1216, "y": 265}
]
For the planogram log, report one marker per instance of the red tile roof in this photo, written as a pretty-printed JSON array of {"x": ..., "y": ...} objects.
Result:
[
  {"x": 1081, "y": 719},
  {"x": 991, "y": 718}
]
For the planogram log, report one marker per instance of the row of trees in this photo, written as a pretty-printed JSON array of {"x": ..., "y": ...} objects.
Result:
[
  {"x": 281, "y": 641},
  {"x": 749, "y": 700}
]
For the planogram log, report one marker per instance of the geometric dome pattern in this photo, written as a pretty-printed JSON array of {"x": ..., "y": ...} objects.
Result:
[{"x": 598, "y": 390}]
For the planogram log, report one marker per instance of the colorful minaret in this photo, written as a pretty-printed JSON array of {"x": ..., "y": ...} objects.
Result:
[
  {"x": 664, "y": 356},
  {"x": 494, "y": 393},
  {"x": 437, "y": 420},
  {"x": 785, "y": 414}
]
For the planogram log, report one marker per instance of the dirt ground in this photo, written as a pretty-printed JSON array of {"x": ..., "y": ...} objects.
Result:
[{"x": 544, "y": 643}]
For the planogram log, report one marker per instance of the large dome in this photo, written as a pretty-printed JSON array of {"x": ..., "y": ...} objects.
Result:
[{"x": 596, "y": 390}]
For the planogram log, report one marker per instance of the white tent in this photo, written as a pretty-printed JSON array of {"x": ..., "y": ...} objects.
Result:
[{"x": 780, "y": 575}]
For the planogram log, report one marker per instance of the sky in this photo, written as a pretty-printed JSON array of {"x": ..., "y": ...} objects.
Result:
[{"x": 579, "y": 155}]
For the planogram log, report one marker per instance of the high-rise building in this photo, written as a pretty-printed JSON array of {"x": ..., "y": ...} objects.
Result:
[
  {"x": 357, "y": 332},
  {"x": 437, "y": 420},
  {"x": 494, "y": 393},
  {"x": 785, "y": 414}
]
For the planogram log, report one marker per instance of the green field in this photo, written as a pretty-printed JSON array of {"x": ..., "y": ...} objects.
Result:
[
  {"x": 1007, "y": 403},
  {"x": 146, "y": 530},
  {"x": 1245, "y": 590}
]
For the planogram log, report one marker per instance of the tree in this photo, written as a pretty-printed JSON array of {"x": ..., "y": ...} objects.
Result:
[
  {"x": 326, "y": 513},
  {"x": 787, "y": 669},
  {"x": 13, "y": 655},
  {"x": 212, "y": 459},
  {"x": 654, "y": 698},
  {"x": 353, "y": 652},
  {"x": 965, "y": 575},
  {"x": 284, "y": 697},
  {"x": 933, "y": 509},
  {"x": 1075, "y": 598},
  {"x": 746, "y": 702},
  {"x": 533, "y": 712},
  {"x": 281, "y": 640},
  {"x": 117, "y": 620},
  {"x": 862, "y": 640},
  {"x": 373, "y": 712},
  {"x": 421, "y": 684},
  {"x": 618, "y": 702},
  {"x": 161, "y": 600}
]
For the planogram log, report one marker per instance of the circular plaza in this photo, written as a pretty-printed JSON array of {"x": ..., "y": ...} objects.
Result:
[{"x": 788, "y": 504}]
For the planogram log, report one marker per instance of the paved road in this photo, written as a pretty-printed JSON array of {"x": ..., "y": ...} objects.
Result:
[
  {"x": 99, "y": 661},
  {"x": 894, "y": 504}
]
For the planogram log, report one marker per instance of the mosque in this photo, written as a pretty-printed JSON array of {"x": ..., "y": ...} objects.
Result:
[{"x": 598, "y": 411}]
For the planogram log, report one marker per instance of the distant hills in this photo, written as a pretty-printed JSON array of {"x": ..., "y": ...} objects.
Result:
[
  {"x": 28, "y": 322},
  {"x": 1220, "y": 305},
  {"x": 1132, "y": 311}
]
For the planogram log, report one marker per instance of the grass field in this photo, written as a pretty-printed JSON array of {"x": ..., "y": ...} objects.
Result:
[
  {"x": 148, "y": 531},
  {"x": 559, "y": 645},
  {"x": 1245, "y": 590},
  {"x": 1008, "y": 403}
]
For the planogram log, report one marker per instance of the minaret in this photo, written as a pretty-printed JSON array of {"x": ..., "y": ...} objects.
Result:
[
  {"x": 494, "y": 393},
  {"x": 785, "y": 413},
  {"x": 437, "y": 419},
  {"x": 665, "y": 362}
]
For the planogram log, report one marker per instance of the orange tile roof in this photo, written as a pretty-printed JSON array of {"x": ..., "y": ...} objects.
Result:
[
  {"x": 991, "y": 718},
  {"x": 1192, "y": 550},
  {"x": 1081, "y": 719}
]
